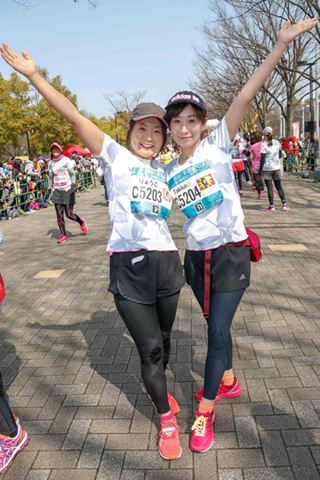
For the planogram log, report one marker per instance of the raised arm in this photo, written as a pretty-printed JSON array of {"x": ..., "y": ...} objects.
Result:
[
  {"x": 89, "y": 133},
  {"x": 240, "y": 105}
]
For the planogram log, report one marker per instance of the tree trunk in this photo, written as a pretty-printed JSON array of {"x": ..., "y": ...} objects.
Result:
[{"x": 289, "y": 118}]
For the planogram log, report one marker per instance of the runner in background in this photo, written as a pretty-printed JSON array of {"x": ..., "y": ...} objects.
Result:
[
  {"x": 62, "y": 182},
  {"x": 255, "y": 156},
  {"x": 166, "y": 156},
  {"x": 237, "y": 163},
  {"x": 270, "y": 168}
]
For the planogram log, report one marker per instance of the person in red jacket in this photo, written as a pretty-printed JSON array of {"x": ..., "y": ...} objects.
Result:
[{"x": 285, "y": 143}]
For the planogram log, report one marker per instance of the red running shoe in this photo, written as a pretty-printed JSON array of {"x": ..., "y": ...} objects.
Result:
[
  {"x": 169, "y": 443},
  {"x": 228, "y": 391},
  {"x": 84, "y": 227},
  {"x": 202, "y": 432},
  {"x": 173, "y": 404},
  {"x": 62, "y": 238}
]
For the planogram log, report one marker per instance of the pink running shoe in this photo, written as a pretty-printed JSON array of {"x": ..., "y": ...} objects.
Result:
[
  {"x": 16, "y": 419},
  {"x": 202, "y": 432},
  {"x": 285, "y": 207},
  {"x": 84, "y": 227},
  {"x": 270, "y": 208},
  {"x": 275, "y": 195},
  {"x": 9, "y": 447},
  {"x": 62, "y": 238},
  {"x": 260, "y": 196},
  {"x": 169, "y": 444},
  {"x": 173, "y": 404},
  {"x": 228, "y": 391}
]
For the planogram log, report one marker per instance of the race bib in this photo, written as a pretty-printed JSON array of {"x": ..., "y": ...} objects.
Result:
[
  {"x": 61, "y": 179},
  {"x": 149, "y": 192},
  {"x": 195, "y": 189},
  {"x": 235, "y": 155}
]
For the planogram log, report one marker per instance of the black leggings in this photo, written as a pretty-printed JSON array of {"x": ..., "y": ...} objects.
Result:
[
  {"x": 60, "y": 209},
  {"x": 150, "y": 327},
  {"x": 223, "y": 307},
  {"x": 270, "y": 190},
  {"x": 258, "y": 182},
  {"x": 8, "y": 426},
  {"x": 239, "y": 175}
]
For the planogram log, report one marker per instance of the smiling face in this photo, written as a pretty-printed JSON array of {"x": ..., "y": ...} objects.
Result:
[
  {"x": 186, "y": 128},
  {"x": 146, "y": 138},
  {"x": 55, "y": 152}
]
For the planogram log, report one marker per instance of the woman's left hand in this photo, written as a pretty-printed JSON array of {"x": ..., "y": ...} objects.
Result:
[{"x": 287, "y": 33}]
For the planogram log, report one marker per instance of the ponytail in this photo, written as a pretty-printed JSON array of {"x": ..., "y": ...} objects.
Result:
[{"x": 270, "y": 142}]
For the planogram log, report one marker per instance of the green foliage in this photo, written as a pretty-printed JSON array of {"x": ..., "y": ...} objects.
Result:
[
  {"x": 23, "y": 110},
  {"x": 16, "y": 110}
]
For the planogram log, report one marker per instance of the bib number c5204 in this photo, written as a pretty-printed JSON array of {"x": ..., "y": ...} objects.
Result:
[
  {"x": 195, "y": 189},
  {"x": 188, "y": 196}
]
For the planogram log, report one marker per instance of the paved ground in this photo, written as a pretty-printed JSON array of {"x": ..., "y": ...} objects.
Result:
[{"x": 73, "y": 371}]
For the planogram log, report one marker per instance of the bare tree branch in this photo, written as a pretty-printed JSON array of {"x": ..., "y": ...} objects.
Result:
[
  {"x": 239, "y": 36},
  {"x": 123, "y": 103}
]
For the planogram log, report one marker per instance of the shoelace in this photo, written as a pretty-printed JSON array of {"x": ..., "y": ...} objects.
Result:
[
  {"x": 169, "y": 430},
  {"x": 5, "y": 448},
  {"x": 200, "y": 426}
]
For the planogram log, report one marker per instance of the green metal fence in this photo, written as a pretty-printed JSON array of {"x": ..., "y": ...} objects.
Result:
[{"x": 17, "y": 194}]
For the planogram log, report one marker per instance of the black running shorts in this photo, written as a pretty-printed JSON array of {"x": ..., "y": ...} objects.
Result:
[
  {"x": 142, "y": 276},
  {"x": 230, "y": 268},
  {"x": 64, "y": 197}
]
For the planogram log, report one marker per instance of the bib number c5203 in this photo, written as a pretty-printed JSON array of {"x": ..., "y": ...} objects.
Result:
[{"x": 149, "y": 192}]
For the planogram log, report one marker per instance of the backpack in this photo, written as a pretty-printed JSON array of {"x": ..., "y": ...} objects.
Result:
[{"x": 255, "y": 246}]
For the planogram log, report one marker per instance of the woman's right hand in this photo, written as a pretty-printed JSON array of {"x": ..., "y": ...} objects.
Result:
[{"x": 24, "y": 65}]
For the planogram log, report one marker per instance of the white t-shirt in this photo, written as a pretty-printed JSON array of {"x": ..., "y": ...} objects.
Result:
[
  {"x": 222, "y": 223},
  {"x": 60, "y": 170},
  {"x": 129, "y": 178},
  {"x": 272, "y": 155}
]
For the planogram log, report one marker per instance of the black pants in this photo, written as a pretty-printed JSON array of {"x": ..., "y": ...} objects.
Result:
[
  {"x": 246, "y": 171},
  {"x": 223, "y": 307},
  {"x": 150, "y": 327},
  {"x": 258, "y": 182},
  {"x": 239, "y": 175},
  {"x": 60, "y": 209},
  {"x": 278, "y": 186},
  {"x": 8, "y": 426}
]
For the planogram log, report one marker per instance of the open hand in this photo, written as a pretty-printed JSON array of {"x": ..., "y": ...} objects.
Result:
[
  {"x": 24, "y": 65},
  {"x": 287, "y": 33}
]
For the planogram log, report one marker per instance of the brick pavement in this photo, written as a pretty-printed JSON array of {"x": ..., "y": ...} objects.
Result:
[{"x": 72, "y": 370}]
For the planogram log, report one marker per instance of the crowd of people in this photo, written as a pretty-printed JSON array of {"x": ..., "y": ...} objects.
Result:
[
  {"x": 24, "y": 186},
  {"x": 146, "y": 274},
  {"x": 258, "y": 159}
]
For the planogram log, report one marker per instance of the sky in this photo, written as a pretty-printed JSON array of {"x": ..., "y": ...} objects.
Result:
[{"x": 131, "y": 45}]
